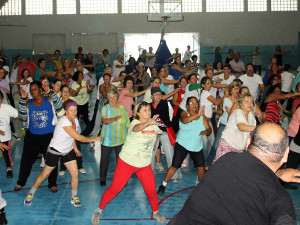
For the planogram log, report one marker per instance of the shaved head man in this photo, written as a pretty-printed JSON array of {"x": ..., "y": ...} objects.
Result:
[{"x": 242, "y": 188}]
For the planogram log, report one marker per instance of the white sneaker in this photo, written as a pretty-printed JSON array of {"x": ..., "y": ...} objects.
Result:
[
  {"x": 92, "y": 146},
  {"x": 42, "y": 163},
  {"x": 96, "y": 218},
  {"x": 61, "y": 173},
  {"x": 82, "y": 170},
  {"x": 159, "y": 167},
  {"x": 183, "y": 163},
  {"x": 175, "y": 180},
  {"x": 159, "y": 217}
]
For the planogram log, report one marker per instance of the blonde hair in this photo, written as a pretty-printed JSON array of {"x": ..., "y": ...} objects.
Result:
[
  {"x": 232, "y": 85},
  {"x": 242, "y": 99}
]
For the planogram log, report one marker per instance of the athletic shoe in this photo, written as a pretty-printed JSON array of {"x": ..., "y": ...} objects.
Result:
[
  {"x": 3, "y": 220},
  {"x": 183, "y": 163},
  {"x": 96, "y": 218},
  {"x": 28, "y": 199},
  {"x": 159, "y": 167},
  {"x": 175, "y": 180},
  {"x": 75, "y": 201},
  {"x": 161, "y": 190},
  {"x": 61, "y": 173},
  {"x": 103, "y": 183},
  {"x": 9, "y": 173},
  {"x": 82, "y": 170},
  {"x": 92, "y": 146},
  {"x": 16, "y": 136},
  {"x": 159, "y": 217}
]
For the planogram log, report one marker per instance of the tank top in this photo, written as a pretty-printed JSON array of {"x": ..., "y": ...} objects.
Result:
[
  {"x": 272, "y": 111},
  {"x": 40, "y": 118},
  {"x": 191, "y": 131}
]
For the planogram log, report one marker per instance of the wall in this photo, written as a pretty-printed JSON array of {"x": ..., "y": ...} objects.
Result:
[{"x": 241, "y": 31}]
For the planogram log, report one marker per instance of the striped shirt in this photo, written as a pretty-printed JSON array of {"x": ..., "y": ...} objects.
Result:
[
  {"x": 272, "y": 111},
  {"x": 115, "y": 133}
]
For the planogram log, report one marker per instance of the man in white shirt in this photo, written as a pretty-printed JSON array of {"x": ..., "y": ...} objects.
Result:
[
  {"x": 150, "y": 59},
  {"x": 226, "y": 77},
  {"x": 187, "y": 54},
  {"x": 237, "y": 66},
  {"x": 287, "y": 78},
  {"x": 252, "y": 81},
  {"x": 118, "y": 65}
]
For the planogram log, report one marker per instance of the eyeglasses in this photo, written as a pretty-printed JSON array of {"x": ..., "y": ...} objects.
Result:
[{"x": 106, "y": 78}]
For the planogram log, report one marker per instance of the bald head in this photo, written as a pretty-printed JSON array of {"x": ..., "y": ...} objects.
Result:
[{"x": 270, "y": 141}]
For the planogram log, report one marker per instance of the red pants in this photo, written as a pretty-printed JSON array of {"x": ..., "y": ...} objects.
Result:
[{"x": 122, "y": 174}]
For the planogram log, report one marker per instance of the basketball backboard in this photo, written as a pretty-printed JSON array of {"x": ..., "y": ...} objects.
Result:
[{"x": 165, "y": 10}]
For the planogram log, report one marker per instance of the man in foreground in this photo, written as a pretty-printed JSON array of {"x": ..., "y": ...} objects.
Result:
[{"x": 242, "y": 188}]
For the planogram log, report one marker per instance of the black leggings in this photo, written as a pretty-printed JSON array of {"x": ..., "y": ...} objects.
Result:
[
  {"x": 6, "y": 155},
  {"x": 83, "y": 112}
]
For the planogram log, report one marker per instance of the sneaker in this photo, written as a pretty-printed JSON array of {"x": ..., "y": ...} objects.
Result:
[
  {"x": 75, "y": 201},
  {"x": 82, "y": 170},
  {"x": 159, "y": 167},
  {"x": 28, "y": 199},
  {"x": 3, "y": 219},
  {"x": 183, "y": 163},
  {"x": 159, "y": 217},
  {"x": 175, "y": 180},
  {"x": 16, "y": 136},
  {"x": 9, "y": 173},
  {"x": 61, "y": 173},
  {"x": 161, "y": 190},
  {"x": 42, "y": 163},
  {"x": 96, "y": 218},
  {"x": 92, "y": 146}
]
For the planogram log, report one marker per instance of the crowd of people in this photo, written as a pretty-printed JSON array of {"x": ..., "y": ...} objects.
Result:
[{"x": 182, "y": 108}]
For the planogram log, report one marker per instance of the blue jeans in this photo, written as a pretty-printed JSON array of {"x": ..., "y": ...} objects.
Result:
[{"x": 213, "y": 150}]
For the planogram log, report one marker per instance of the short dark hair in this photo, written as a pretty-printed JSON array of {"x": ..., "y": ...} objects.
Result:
[
  {"x": 249, "y": 64},
  {"x": 273, "y": 148},
  {"x": 194, "y": 56},
  {"x": 287, "y": 67},
  {"x": 55, "y": 81},
  {"x": 189, "y": 99},
  {"x": 152, "y": 79},
  {"x": 203, "y": 80},
  {"x": 138, "y": 108},
  {"x": 63, "y": 86},
  {"x": 76, "y": 75},
  {"x": 37, "y": 83},
  {"x": 40, "y": 61},
  {"x": 227, "y": 65},
  {"x": 123, "y": 71},
  {"x": 190, "y": 76},
  {"x": 105, "y": 50},
  {"x": 127, "y": 78}
]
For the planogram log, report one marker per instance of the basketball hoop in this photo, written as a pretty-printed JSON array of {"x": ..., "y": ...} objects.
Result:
[{"x": 165, "y": 18}]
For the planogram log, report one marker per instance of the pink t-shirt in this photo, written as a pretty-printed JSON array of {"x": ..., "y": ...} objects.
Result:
[
  {"x": 292, "y": 130},
  {"x": 126, "y": 101}
]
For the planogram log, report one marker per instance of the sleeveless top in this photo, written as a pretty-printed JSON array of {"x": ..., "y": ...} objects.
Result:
[
  {"x": 40, "y": 118},
  {"x": 179, "y": 99},
  {"x": 272, "y": 111},
  {"x": 191, "y": 131},
  {"x": 175, "y": 73}
]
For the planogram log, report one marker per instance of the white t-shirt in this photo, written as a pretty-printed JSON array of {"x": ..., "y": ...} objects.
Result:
[
  {"x": 6, "y": 68},
  {"x": 286, "y": 81},
  {"x": 117, "y": 71},
  {"x": 232, "y": 135},
  {"x": 150, "y": 62},
  {"x": 187, "y": 94},
  {"x": 228, "y": 81},
  {"x": 14, "y": 75},
  {"x": 208, "y": 104},
  {"x": 61, "y": 140},
  {"x": 187, "y": 56},
  {"x": 6, "y": 111},
  {"x": 252, "y": 83},
  {"x": 237, "y": 66},
  {"x": 26, "y": 87}
]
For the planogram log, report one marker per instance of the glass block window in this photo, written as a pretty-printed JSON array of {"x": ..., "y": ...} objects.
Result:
[
  {"x": 98, "y": 6},
  {"x": 11, "y": 8},
  {"x": 134, "y": 6},
  {"x": 224, "y": 5},
  {"x": 38, "y": 7},
  {"x": 192, "y": 5},
  {"x": 257, "y": 5},
  {"x": 284, "y": 5},
  {"x": 66, "y": 6}
]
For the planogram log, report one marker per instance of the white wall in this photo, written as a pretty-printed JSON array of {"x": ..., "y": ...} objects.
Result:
[{"x": 235, "y": 29}]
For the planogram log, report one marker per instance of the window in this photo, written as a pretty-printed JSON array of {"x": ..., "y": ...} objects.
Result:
[
  {"x": 98, "y": 6},
  {"x": 257, "y": 5},
  {"x": 284, "y": 5},
  {"x": 224, "y": 5},
  {"x": 11, "y": 8},
  {"x": 38, "y": 7},
  {"x": 66, "y": 6},
  {"x": 192, "y": 5},
  {"x": 134, "y": 6}
]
